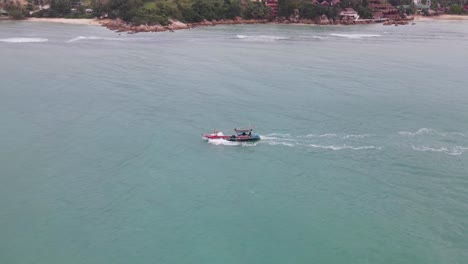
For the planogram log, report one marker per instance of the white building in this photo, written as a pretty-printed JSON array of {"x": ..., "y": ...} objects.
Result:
[
  {"x": 349, "y": 14},
  {"x": 419, "y": 2}
]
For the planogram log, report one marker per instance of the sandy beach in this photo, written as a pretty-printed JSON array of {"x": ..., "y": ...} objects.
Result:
[
  {"x": 441, "y": 17},
  {"x": 80, "y": 21}
]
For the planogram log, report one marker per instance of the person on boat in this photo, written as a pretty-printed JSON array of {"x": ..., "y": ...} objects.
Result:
[{"x": 250, "y": 133}]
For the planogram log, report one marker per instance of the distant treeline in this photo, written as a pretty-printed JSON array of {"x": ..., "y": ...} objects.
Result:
[{"x": 160, "y": 11}]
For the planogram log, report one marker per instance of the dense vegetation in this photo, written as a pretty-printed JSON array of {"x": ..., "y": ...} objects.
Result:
[
  {"x": 14, "y": 9},
  {"x": 140, "y": 12},
  {"x": 307, "y": 9},
  {"x": 160, "y": 11}
]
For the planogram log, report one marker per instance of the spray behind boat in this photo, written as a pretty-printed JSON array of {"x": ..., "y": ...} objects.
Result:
[{"x": 240, "y": 135}]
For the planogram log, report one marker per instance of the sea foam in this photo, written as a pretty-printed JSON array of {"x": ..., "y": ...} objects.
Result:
[
  {"x": 430, "y": 131},
  {"x": 455, "y": 151},
  {"x": 23, "y": 40},
  {"x": 92, "y": 38},
  {"x": 265, "y": 38},
  {"x": 223, "y": 142},
  {"x": 355, "y": 36},
  {"x": 343, "y": 147}
]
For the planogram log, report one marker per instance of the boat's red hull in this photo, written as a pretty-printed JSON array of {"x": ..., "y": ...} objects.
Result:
[{"x": 214, "y": 136}]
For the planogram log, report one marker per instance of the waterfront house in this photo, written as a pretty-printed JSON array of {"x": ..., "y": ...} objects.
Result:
[
  {"x": 420, "y": 2},
  {"x": 273, "y": 4},
  {"x": 324, "y": 20},
  {"x": 420, "y": 8},
  {"x": 349, "y": 14},
  {"x": 325, "y": 3},
  {"x": 386, "y": 10},
  {"x": 44, "y": 7},
  {"x": 3, "y": 12}
]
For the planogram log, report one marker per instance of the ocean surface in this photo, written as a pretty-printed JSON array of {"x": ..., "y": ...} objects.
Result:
[{"x": 363, "y": 157}]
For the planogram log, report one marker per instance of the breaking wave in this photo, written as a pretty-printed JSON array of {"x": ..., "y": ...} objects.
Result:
[
  {"x": 322, "y": 135},
  {"x": 261, "y": 38},
  {"x": 273, "y": 143},
  {"x": 343, "y": 147},
  {"x": 332, "y": 135},
  {"x": 355, "y": 36},
  {"x": 92, "y": 38},
  {"x": 431, "y": 131},
  {"x": 23, "y": 40},
  {"x": 357, "y": 136},
  {"x": 455, "y": 151}
]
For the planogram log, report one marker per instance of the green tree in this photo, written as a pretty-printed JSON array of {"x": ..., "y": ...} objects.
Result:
[
  {"x": 61, "y": 7},
  {"x": 364, "y": 12},
  {"x": 412, "y": 9},
  {"x": 124, "y": 9},
  {"x": 286, "y": 7},
  {"x": 204, "y": 10},
  {"x": 99, "y": 7},
  {"x": 257, "y": 10},
  {"x": 232, "y": 9},
  {"x": 149, "y": 17},
  {"x": 14, "y": 9},
  {"x": 308, "y": 10},
  {"x": 456, "y": 9}
]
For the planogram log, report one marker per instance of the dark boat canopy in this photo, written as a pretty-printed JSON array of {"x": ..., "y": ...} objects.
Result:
[{"x": 243, "y": 131}]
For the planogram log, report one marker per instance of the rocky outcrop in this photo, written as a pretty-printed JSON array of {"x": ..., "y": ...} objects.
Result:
[
  {"x": 395, "y": 22},
  {"x": 176, "y": 25},
  {"x": 324, "y": 20},
  {"x": 356, "y": 22},
  {"x": 235, "y": 21},
  {"x": 119, "y": 25}
]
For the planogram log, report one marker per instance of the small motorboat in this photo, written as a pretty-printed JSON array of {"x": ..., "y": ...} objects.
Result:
[{"x": 241, "y": 135}]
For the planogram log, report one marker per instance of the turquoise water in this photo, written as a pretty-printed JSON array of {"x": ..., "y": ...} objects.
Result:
[{"x": 363, "y": 159}]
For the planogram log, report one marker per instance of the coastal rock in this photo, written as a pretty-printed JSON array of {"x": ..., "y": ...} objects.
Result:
[
  {"x": 324, "y": 20},
  {"x": 176, "y": 25},
  {"x": 142, "y": 28},
  {"x": 157, "y": 28},
  {"x": 396, "y": 22},
  {"x": 119, "y": 25},
  {"x": 206, "y": 23}
]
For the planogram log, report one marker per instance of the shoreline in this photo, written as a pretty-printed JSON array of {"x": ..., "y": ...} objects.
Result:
[
  {"x": 445, "y": 17},
  {"x": 119, "y": 25},
  {"x": 70, "y": 21}
]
